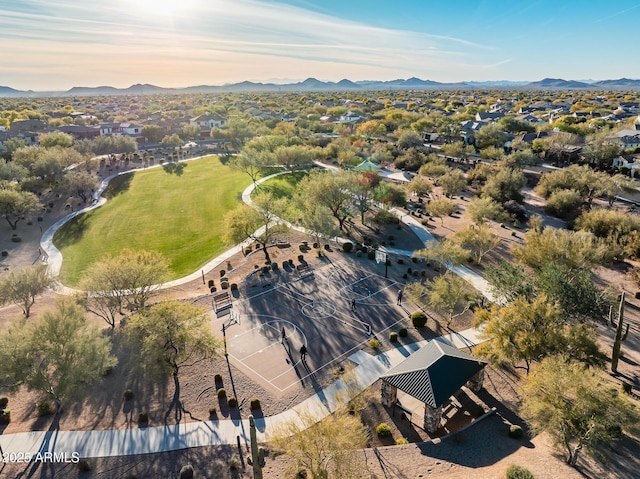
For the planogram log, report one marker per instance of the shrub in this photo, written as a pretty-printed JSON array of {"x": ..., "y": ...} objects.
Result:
[
  {"x": 44, "y": 408},
  {"x": 418, "y": 319},
  {"x": 128, "y": 395},
  {"x": 222, "y": 393},
  {"x": 402, "y": 440},
  {"x": 400, "y": 261},
  {"x": 234, "y": 463},
  {"x": 347, "y": 247},
  {"x": 254, "y": 404},
  {"x": 393, "y": 337},
  {"x": 5, "y": 253},
  {"x": 383, "y": 430},
  {"x": 359, "y": 253},
  {"x": 274, "y": 266},
  {"x": 217, "y": 378},
  {"x": 232, "y": 402},
  {"x": 300, "y": 258},
  {"x": 515, "y": 431},
  {"x": 222, "y": 273},
  {"x": 371, "y": 255},
  {"x": 265, "y": 269},
  {"x": 210, "y": 283},
  {"x": 635, "y": 295},
  {"x": 513, "y": 233},
  {"x": 213, "y": 411},
  {"x": 186, "y": 472},
  {"x": 3, "y": 402},
  {"x": 626, "y": 388},
  {"x": 40, "y": 218},
  {"x": 385, "y": 217},
  {"x": 233, "y": 287},
  {"x": 143, "y": 417},
  {"x": 374, "y": 344},
  {"x": 518, "y": 472},
  {"x": 83, "y": 466},
  {"x": 16, "y": 239},
  {"x": 5, "y": 415},
  {"x": 402, "y": 332}
]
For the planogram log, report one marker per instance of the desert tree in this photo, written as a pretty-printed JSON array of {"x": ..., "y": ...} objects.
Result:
[
  {"x": 481, "y": 209},
  {"x": 259, "y": 224},
  {"x": 22, "y": 286},
  {"x": 325, "y": 449},
  {"x": 58, "y": 354},
  {"x": 478, "y": 240},
  {"x": 16, "y": 205},
  {"x": 576, "y": 406},
  {"x": 440, "y": 208},
  {"x": 171, "y": 335},
  {"x": 452, "y": 182},
  {"x": 80, "y": 183}
]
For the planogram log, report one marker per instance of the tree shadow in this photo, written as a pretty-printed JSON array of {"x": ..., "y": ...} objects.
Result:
[
  {"x": 118, "y": 185},
  {"x": 72, "y": 231},
  {"x": 174, "y": 168}
]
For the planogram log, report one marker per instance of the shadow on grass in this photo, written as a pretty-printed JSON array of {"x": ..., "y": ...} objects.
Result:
[
  {"x": 174, "y": 168},
  {"x": 119, "y": 184},
  {"x": 71, "y": 232}
]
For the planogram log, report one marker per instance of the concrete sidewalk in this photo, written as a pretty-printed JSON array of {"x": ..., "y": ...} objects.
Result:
[{"x": 123, "y": 442}]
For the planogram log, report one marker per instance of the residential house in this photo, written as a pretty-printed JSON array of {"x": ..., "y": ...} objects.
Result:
[
  {"x": 208, "y": 121},
  {"x": 626, "y": 138},
  {"x": 468, "y": 130},
  {"x": 21, "y": 126},
  {"x": 80, "y": 132},
  {"x": 489, "y": 115}
]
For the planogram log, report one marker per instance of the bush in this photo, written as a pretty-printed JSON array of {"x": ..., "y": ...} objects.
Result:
[
  {"x": 418, "y": 319},
  {"x": 44, "y": 408},
  {"x": 515, "y": 431},
  {"x": 186, "y": 472},
  {"x": 232, "y": 402},
  {"x": 626, "y": 388},
  {"x": 383, "y": 430},
  {"x": 402, "y": 440},
  {"x": 518, "y": 472},
  {"x": 3, "y": 402},
  {"x": 16, "y": 239},
  {"x": 83, "y": 466},
  {"x": 274, "y": 266},
  {"x": 213, "y": 411},
  {"x": 359, "y": 253},
  {"x": 301, "y": 258},
  {"x": 222, "y": 273},
  {"x": 222, "y": 393},
  {"x": 393, "y": 337},
  {"x": 217, "y": 378},
  {"x": 374, "y": 344},
  {"x": 234, "y": 463},
  {"x": 128, "y": 395},
  {"x": 254, "y": 404},
  {"x": 233, "y": 287},
  {"x": 385, "y": 217},
  {"x": 143, "y": 417},
  {"x": 563, "y": 204},
  {"x": 400, "y": 261},
  {"x": 371, "y": 255},
  {"x": 402, "y": 332},
  {"x": 347, "y": 247},
  {"x": 5, "y": 253}
]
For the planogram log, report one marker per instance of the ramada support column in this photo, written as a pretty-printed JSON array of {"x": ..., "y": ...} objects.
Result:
[
  {"x": 476, "y": 382},
  {"x": 432, "y": 418},
  {"x": 389, "y": 394}
]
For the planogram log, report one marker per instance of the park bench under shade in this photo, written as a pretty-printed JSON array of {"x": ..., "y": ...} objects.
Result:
[{"x": 432, "y": 375}]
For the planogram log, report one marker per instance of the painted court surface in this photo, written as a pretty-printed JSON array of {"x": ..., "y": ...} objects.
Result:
[{"x": 333, "y": 310}]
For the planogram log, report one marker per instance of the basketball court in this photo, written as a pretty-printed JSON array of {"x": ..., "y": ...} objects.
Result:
[{"x": 333, "y": 310}]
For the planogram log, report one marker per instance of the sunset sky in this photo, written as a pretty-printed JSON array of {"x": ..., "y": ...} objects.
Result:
[{"x": 58, "y": 44}]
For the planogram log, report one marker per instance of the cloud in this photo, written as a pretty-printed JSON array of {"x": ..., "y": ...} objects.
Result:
[{"x": 245, "y": 34}]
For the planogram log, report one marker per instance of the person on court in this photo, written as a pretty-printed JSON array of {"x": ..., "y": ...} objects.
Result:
[
  {"x": 353, "y": 304},
  {"x": 399, "y": 302},
  {"x": 303, "y": 353}
]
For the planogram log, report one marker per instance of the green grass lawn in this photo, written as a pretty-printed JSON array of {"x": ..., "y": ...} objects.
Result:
[
  {"x": 177, "y": 211},
  {"x": 283, "y": 186}
]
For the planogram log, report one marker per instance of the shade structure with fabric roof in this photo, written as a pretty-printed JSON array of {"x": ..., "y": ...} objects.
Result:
[{"x": 367, "y": 165}]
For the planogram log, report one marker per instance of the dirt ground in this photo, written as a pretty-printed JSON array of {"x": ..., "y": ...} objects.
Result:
[{"x": 466, "y": 454}]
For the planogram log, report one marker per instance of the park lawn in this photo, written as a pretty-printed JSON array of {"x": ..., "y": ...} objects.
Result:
[
  {"x": 179, "y": 214},
  {"x": 283, "y": 186}
]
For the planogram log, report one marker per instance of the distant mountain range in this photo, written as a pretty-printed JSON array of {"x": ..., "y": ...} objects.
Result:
[{"x": 313, "y": 84}]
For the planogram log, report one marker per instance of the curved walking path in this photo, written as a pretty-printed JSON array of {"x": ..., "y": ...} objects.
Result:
[{"x": 122, "y": 442}]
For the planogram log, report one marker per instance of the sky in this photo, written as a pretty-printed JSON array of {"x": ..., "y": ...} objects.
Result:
[{"x": 57, "y": 44}]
